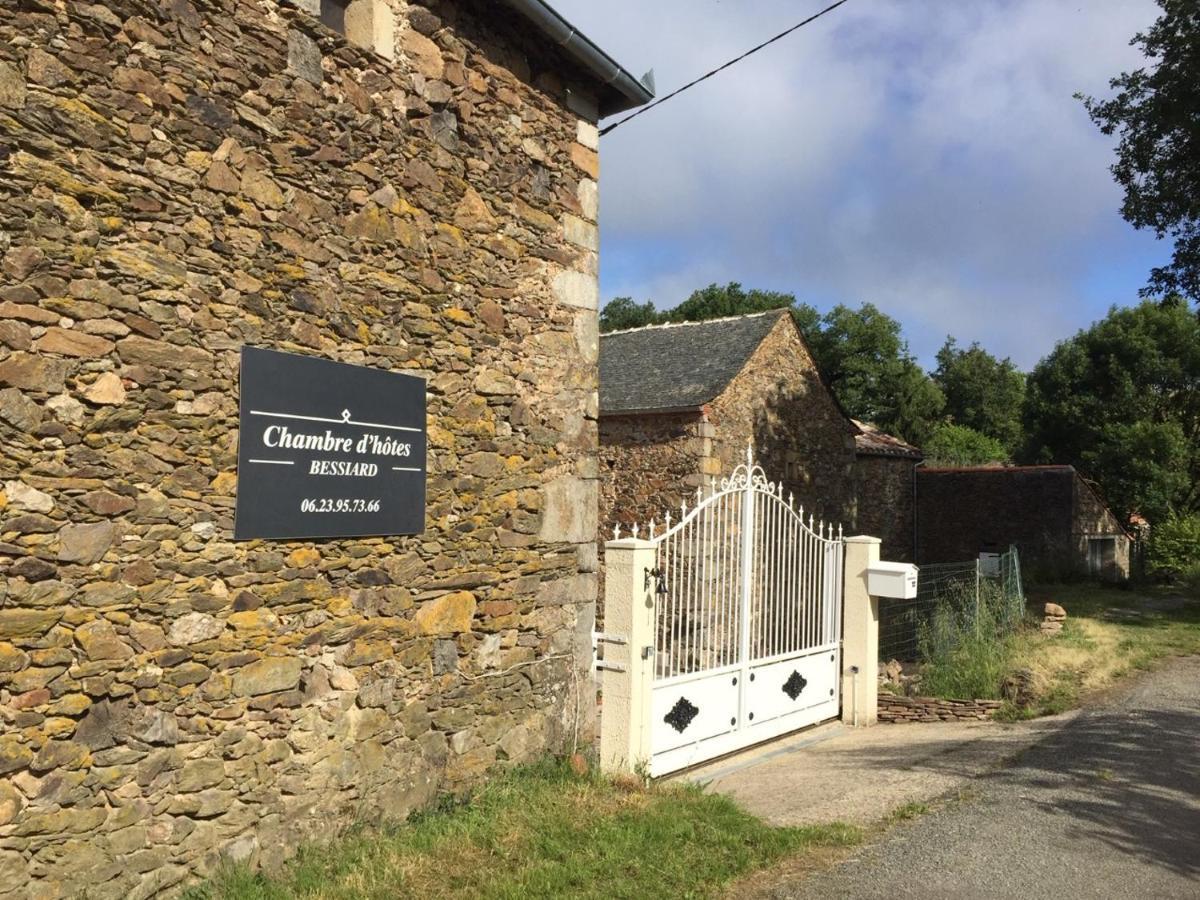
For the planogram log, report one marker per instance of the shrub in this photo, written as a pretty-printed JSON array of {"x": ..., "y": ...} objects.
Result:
[
  {"x": 958, "y": 445},
  {"x": 1174, "y": 546}
]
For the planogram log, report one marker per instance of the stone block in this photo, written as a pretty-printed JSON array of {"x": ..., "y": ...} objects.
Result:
[
  {"x": 449, "y": 614},
  {"x": 577, "y": 289},
  {"x": 19, "y": 411},
  {"x": 107, "y": 390},
  {"x": 85, "y": 543},
  {"x": 581, "y": 233},
  {"x": 570, "y": 510},
  {"x": 12, "y": 87},
  {"x": 194, "y": 628},
  {"x": 34, "y": 373},
  {"x": 304, "y": 56},
  {"x": 22, "y": 496},
  {"x": 587, "y": 134},
  {"x": 267, "y": 676}
]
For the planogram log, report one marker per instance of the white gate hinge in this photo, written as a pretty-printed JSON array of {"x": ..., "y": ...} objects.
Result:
[{"x": 602, "y": 636}]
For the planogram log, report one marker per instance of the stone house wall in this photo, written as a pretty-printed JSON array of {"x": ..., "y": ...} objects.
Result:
[
  {"x": 1093, "y": 520},
  {"x": 651, "y": 462},
  {"x": 800, "y": 435},
  {"x": 649, "y": 465},
  {"x": 963, "y": 512},
  {"x": 1048, "y": 512},
  {"x": 183, "y": 178},
  {"x": 884, "y": 504}
]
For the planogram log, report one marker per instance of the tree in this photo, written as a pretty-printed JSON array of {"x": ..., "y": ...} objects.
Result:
[
  {"x": 1156, "y": 113},
  {"x": 982, "y": 393},
  {"x": 1121, "y": 401},
  {"x": 958, "y": 445},
  {"x": 717, "y": 302},
  {"x": 623, "y": 312},
  {"x": 867, "y": 365}
]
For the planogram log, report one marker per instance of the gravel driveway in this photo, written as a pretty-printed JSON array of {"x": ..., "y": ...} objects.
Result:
[{"x": 1107, "y": 806}]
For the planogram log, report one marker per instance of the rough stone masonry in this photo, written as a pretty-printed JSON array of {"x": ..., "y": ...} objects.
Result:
[{"x": 179, "y": 178}]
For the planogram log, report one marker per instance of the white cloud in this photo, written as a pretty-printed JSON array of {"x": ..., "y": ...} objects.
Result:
[{"x": 927, "y": 157}]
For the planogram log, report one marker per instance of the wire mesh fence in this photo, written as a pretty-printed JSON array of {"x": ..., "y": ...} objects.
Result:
[{"x": 985, "y": 589}]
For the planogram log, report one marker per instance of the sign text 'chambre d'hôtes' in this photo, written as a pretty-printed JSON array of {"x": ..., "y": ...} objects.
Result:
[{"x": 328, "y": 449}]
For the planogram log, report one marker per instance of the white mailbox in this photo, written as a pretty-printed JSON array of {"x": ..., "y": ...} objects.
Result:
[{"x": 894, "y": 580}]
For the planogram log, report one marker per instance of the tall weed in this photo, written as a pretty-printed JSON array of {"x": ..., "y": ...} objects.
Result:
[{"x": 966, "y": 643}]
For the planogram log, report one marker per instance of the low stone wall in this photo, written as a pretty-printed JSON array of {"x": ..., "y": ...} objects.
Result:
[{"x": 894, "y": 709}]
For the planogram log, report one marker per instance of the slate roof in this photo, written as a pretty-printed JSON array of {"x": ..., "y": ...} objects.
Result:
[
  {"x": 678, "y": 366},
  {"x": 870, "y": 441}
]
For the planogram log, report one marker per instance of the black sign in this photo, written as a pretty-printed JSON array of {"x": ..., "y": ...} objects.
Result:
[{"x": 328, "y": 449}]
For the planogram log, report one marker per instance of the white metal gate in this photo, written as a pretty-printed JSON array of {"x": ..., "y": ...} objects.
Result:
[{"x": 747, "y": 622}]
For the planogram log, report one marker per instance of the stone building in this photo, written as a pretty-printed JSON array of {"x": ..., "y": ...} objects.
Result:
[
  {"x": 680, "y": 402},
  {"x": 1057, "y": 520},
  {"x": 885, "y": 486},
  {"x": 398, "y": 185}
]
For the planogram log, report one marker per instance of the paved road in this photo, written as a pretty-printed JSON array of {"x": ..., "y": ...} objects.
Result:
[{"x": 1108, "y": 807}]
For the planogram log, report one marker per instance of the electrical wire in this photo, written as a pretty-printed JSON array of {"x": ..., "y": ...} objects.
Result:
[{"x": 708, "y": 75}]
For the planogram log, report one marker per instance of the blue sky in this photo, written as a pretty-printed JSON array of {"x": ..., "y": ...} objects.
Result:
[{"x": 927, "y": 157}]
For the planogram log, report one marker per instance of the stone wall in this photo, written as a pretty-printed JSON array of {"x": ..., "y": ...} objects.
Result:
[
  {"x": 963, "y": 512},
  {"x": 649, "y": 465},
  {"x": 1093, "y": 519},
  {"x": 800, "y": 435},
  {"x": 894, "y": 709},
  {"x": 1048, "y": 512},
  {"x": 884, "y": 503},
  {"x": 182, "y": 178}
]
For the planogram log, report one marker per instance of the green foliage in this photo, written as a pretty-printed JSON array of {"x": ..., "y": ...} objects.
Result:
[
  {"x": 958, "y": 445},
  {"x": 1156, "y": 113},
  {"x": 966, "y": 644},
  {"x": 1121, "y": 401},
  {"x": 867, "y": 364},
  {"x": 541, "y": 831},
  {"x": 622, "y": 312},
  {"x": 719, "y": 301},
  {"x": 1174, "y": 547},
  {"x": 982, "y": 393}
]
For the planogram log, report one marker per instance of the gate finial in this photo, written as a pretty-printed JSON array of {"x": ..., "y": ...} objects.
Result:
[
  {"x": 749, "y": 455},
  {"x": 617, "y": 532},
  {"x": 651, "y": 529}
]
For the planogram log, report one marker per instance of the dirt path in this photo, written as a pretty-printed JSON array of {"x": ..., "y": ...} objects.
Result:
[{"x": 1105, "y": 805}]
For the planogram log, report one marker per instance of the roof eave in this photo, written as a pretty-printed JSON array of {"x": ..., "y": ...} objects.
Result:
[
  {"x": 653, "y": 411},
  {"x": 621, "y": 90}
]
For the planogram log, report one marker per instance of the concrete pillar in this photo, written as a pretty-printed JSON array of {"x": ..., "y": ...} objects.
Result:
[
  {"x": 860, "y": 635},
  {"x": 628, "y": 615}
]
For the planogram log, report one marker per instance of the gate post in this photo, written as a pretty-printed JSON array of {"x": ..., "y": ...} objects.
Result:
[
  {"x": 629, "y": 666},
  {"x": 860, "y": 635}
]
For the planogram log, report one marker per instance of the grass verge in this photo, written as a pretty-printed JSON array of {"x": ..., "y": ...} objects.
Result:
[
  {"x": 542, "y": 831},
  {"x": 1110, "y": 632}
]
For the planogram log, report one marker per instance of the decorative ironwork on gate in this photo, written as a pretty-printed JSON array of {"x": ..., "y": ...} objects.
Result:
[{"x": 747, "y": 619}]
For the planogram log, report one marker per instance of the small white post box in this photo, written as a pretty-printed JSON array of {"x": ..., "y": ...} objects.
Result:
[
  {"x": 989, "y": 564},
  {"x": 893, "y": 580}
]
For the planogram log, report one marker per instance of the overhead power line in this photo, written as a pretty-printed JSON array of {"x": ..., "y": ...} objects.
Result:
[{"x": 708, "y": 75}]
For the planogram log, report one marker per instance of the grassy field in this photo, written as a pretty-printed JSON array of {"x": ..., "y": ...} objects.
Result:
[
  {"x": 1109, "y": 633},
  {"x": 542, "y": 831}
]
